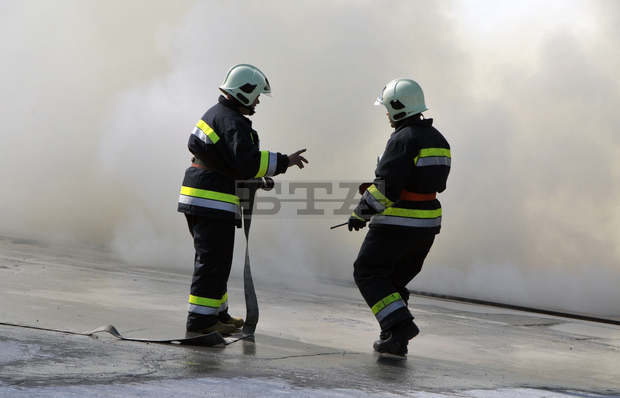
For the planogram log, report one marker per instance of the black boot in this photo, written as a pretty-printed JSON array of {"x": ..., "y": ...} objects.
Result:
[
  {"x": 226, "y": 319},
  {"x": 395, "y": 341},
  {"x": 401, "y": 349}
]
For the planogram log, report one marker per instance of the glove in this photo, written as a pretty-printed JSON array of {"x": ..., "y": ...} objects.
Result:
[
  {"x": 356, "y": 223},
  {"x": 363, "y": 187}
]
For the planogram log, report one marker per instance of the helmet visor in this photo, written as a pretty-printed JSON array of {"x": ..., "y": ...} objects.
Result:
[
  {"x": 267, "y": 89},
  {"x": 379, "y": 100}
]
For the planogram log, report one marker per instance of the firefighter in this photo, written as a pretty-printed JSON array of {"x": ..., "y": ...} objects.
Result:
[
  {"x": 404, "y": 213},
  {"x": 226, "y": 150}
]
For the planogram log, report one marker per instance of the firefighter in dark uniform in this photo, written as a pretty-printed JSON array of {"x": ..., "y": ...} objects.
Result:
[
  {"x": 404, "y": 213},
  {"x": 226, "y": 150}
]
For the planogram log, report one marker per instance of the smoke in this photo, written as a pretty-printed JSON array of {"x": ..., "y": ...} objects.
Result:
[{"x": 99, "y": 100}]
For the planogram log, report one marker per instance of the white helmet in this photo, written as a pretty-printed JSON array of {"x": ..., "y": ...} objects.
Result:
[
  {"x": 402, "y": 98},
  {"x": 245, "y": 82}
]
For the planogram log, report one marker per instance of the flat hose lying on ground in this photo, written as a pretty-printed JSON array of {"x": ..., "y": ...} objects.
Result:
[{"x": 209, "y": 340}]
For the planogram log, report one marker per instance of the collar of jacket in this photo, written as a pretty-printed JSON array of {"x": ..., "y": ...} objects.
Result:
[
  {"x": 231, "y": 105},
  {"x": 228, "y": 104},
  {"x": 414, "y": 122}
]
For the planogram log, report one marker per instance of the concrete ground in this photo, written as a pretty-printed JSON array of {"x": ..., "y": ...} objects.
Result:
[{"x": 309, "y": 343}]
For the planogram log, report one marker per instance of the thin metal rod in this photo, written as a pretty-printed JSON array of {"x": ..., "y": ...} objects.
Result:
[{"x": 339, "y": 225}]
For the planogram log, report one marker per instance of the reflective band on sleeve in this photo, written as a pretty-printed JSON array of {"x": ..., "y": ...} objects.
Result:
[
  {"x": 273, "y": 164},
  {"x": 358, "y": 217},
  {"x": 205, "y": 133},
  {"x": 374, "y": 203},
  {"x": 434, "y": 161},
  {"x": 264, "y": 163},
  {"x": 387, "y": 305},
  {"x": 434, "y": 157},
  {"x": 207, "y": 306},
  {"x": 268, "y": 164},
  {"x": 428, "y": 152},
  {"x": 376, "y": 199}
]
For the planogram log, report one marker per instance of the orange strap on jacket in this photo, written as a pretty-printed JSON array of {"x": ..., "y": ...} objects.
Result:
[
  {"x": 417, "y": 197},
  {"x": 200, "y": 166},
  {"x": 218, "y": 167}
]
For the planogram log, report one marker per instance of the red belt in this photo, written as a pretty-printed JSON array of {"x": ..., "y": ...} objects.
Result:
[
  {"x": 198, "y": 164},
  {"x": 417, "y": 197}
]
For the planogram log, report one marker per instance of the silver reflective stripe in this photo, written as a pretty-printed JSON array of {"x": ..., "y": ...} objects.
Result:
[
  {"x": 273, "y": 164},
  {"x": 374, "y": 202},
  {"x": 389, "y": 309},
  {"x": 406, "y": 221},
  {"x": 202, "y": 136},
  {"x": 434, "y": 161},
  {"x": 204, "y": 310},
  {"x": 199, "y": 309},
  {"x": 210, "y": 204}
]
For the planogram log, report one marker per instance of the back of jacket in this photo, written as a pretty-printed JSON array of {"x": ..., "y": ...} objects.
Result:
[
  {"x": 409, "y": 174},
  {"x": 225, "y": 142}
]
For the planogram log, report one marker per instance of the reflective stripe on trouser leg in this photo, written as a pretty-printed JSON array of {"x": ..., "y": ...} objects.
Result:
[
  {"x": 387, "y": 306},
  {"x": 207, "y": 306},
  {"x": 214, "y": 243}
]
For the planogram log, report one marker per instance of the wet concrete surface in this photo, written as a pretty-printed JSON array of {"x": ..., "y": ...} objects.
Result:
[{"x": 310, "y": 342}]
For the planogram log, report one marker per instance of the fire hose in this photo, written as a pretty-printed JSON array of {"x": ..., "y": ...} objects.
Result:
[{"x": 247, "y": 204}]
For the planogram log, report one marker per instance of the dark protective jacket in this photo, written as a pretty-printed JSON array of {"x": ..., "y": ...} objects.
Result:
[
  {"x": 224, "y": 140},
  {"x": 413, "y": 168}
]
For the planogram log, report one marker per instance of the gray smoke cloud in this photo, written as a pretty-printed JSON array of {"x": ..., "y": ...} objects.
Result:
[{"x": 98, "y": 101}]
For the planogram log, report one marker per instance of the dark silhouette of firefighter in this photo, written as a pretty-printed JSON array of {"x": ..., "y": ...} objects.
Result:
[
  {"x": 226, "y": 151},
  {"x": 402, "y": 212}
]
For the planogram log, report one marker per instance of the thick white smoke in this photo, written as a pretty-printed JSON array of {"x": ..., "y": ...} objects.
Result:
[{"x": 99, "y": 99}]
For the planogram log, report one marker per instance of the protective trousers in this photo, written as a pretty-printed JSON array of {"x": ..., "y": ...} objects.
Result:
[
  {"x": 386, "y": 263},
  {"x": 214, "y": 243}
]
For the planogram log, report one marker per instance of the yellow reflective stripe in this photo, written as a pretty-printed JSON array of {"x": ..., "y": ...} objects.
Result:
[
  {"x": 203, "y": 193},
  {"x": 208, "y": 131},
  {"x": 264, "y": 163},
  {"x": 427, "y": 152},
  {"x": 433, "y": 152},
  {"x": 411, "y": 213},
  {"x": 207, "y": 302},
  {"x": 358, "y": 217},
  {"x": 379, "y": 196},
  {"x": 385, "y": 302}
]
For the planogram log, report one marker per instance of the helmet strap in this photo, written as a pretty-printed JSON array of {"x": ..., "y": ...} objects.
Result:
[
  {"x": 417, "y": 116},
  {"x": 248, "y": 109}
]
